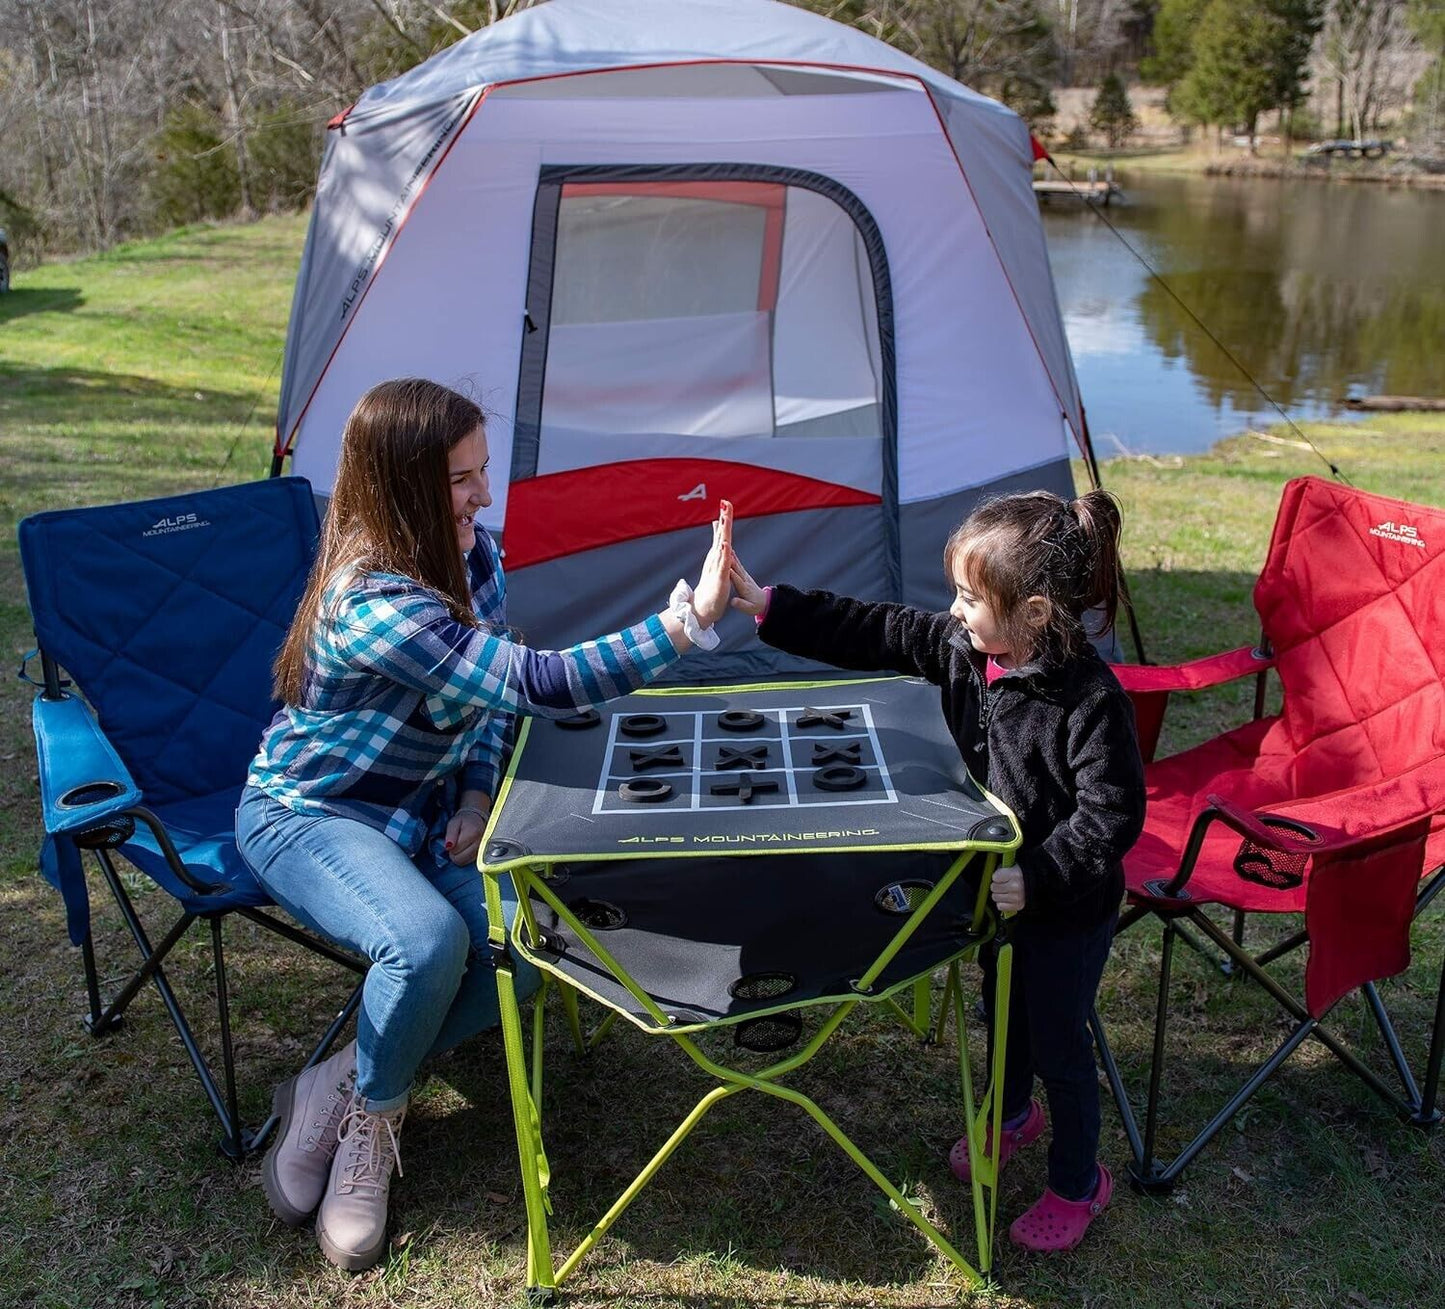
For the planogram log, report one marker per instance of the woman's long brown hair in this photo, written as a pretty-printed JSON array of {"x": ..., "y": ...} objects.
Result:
[{"x": 391, "y": 509}]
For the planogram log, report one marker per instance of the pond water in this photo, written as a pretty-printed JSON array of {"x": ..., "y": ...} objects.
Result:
[{"x": 1320, "y": 290}]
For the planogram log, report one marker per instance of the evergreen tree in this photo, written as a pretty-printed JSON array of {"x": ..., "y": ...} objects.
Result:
[
  {"x": 1112, "y": 115},
  {"x": 1173, "y": 40},
  {"x": 1249, "y": 57}
]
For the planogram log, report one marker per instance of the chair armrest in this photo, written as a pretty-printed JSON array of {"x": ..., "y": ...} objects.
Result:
[
  {"x": 1283, "y": 832},
  {"x": 1149, "y": 686},
  {"x": 1196, "y": 675},
  {"x": 82, "y": 780},
  {"x": 1326, "y": 824}
]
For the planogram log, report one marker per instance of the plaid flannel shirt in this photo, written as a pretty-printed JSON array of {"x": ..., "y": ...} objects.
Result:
[{"x": 402, "y": 706}]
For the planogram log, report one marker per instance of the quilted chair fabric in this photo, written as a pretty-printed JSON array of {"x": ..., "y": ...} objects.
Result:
[
  {"x": 167, "y": 614},
  {"x": 1352, "y": 603}
]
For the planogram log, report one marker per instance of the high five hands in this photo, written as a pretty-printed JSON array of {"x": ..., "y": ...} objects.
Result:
[
  {"x": 751, "y": 598},
  {"x": 714, "y": 585}
]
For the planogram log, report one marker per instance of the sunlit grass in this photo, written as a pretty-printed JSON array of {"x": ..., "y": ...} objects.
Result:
[{"x": 156, "y": 368}]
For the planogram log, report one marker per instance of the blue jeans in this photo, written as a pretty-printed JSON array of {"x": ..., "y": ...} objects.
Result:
[{"x": 422, "y": 922}]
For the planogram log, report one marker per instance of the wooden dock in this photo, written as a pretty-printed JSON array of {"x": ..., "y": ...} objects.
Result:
[{"x": 1093, "y": 191}]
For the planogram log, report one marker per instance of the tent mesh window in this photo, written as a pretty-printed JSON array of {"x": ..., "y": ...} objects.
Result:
[{"x": 709, "y": 309}]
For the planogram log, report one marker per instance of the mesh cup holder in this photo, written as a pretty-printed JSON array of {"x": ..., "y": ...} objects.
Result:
[
  {"x": 901, "y": 897},
  {"x": 91, "y": 793},
  {"x": 599, "y": 915},
  {"x": 769, "y": 1032},
  {"x": 1279, "y": 870},
  {"x": 107, "y": 835}
]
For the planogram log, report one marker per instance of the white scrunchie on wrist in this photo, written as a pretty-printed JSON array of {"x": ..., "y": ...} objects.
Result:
[{"x": 679, "y": 605}]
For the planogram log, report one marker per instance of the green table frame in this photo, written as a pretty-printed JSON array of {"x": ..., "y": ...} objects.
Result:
[{"x": 908, "y": 1001}]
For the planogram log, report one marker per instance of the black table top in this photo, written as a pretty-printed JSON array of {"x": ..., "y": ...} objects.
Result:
[{"x": 849, "y": 765}]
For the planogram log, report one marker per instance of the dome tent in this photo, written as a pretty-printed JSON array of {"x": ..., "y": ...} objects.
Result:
[{"x": 683, "y": 250}]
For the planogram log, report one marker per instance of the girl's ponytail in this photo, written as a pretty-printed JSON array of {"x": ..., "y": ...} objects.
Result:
[{"x": 1099, "y": 525}]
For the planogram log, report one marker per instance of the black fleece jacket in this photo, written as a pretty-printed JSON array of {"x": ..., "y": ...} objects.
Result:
[{"x": 1055, "y": 742}]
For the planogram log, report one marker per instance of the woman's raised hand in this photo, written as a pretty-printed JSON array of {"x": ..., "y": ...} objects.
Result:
[
  {"x": 751, "y": 598},
  {"x": 714, "y": 586}
]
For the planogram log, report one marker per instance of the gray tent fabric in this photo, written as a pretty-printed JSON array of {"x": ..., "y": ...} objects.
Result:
[
  {"x": 851, "y": 442},
  {"x": 385, "y": 147},
  {"x": 372, "y": 169}
]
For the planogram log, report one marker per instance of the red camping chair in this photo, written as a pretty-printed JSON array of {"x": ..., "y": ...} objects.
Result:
[{"x": 1334, "y": 808}]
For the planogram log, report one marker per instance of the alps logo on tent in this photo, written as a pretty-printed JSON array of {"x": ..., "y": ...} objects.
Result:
[
  {"x": 699, "y": 492},
  {"x": 1401, "y": 532},
  {"x": 178, "y": 523}
]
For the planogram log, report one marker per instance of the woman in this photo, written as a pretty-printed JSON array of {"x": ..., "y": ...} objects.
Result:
[{"x": 366, "y": 804}]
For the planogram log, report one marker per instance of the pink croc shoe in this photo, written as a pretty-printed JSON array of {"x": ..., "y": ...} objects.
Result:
[
  {"x": 1014, "y": 1138},
  {"x": 1053, "y": 1224}
]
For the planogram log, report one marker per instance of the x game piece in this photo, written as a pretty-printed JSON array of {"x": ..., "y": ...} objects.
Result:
[
  {"x": 851, "y": 753},
  {"x": 834, "y": 718},
  {"x": 750, "y": 756},
  {"x": 668, "y": 756},
  {"x": 579, "y": 722}
]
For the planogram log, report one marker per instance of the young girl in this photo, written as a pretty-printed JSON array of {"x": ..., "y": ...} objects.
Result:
[
  {"x": 365, "y": 807},
  {"x": 1037, "y": 713}
]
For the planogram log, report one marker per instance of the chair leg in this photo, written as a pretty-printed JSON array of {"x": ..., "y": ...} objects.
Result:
[
  {"x": 1144, "y": 1171},
  {"x": 1429, "y": 1115},
  {"x": 1116, "y": 1083},
  {"x": 92, "y": 987},
  {"x": 256, "y": 1140},
  {"x": 231, "y": 1144},
  {"x": 1392, "y": 1044}
]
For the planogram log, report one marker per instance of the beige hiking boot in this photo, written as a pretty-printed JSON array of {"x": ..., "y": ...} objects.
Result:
[
  {"x": 351, "y": 1224},
  {"x": 310, "y": 1107}
]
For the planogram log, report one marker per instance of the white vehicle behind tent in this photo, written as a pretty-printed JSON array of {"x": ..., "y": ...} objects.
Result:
[{"x": 683, "y": 250}]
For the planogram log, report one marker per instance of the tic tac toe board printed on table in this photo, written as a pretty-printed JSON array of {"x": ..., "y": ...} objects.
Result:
[{"x": 858, "y": 764}]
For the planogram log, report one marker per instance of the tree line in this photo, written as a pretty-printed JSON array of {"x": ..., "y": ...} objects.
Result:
[{"x": 123, "y": 117}]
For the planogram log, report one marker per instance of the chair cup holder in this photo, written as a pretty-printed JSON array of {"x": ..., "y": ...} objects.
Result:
[
  {"x": 89, "y": 793},
  {"x": 113, "y": 832}
]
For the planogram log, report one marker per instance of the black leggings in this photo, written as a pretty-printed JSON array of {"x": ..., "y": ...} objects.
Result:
[{"x": 1056, "y": 971}]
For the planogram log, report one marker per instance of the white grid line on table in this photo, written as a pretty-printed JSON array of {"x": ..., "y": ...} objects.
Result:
[
  {"x": 802, "y": 806},
  {"x": 788, "y": 757},
  {"x": 600, "y": 793},
  {"x": 730, "y": 772},
  {"x": 785, "y": 739},
  {"x": 697, "y": 763},
  {"x": 878, "y": 754}
]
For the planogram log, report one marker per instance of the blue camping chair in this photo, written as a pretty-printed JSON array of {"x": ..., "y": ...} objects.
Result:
[{"x": 167, "y": 615}]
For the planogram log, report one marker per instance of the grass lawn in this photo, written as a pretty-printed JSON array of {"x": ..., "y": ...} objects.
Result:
[{"x": 156, "y": 368}]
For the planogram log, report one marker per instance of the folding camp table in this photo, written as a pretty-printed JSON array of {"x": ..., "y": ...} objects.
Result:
[{"x": 724, "y": 858}]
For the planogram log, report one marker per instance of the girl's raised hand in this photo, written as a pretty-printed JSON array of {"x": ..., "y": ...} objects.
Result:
[
  {"x": 751, "y": 598},
  {"x": 714, "y": 585}
]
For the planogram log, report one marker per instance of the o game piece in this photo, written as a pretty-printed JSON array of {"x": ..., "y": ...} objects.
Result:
[
  {"x": 579, "y": 722},
  {"x": 745, "y": 787},
  {"x": 645, "y": 790},
  {"x": 643, "y": 725},
  {"x": 839, "y": 777},
  {"x": 669, "y": 756},
  {"x": 740, "y": 720},
  {"x": 834, "y": 718}
]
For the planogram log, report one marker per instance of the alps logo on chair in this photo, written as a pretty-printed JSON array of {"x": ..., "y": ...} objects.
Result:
[
  {"x": 1401, "y": 532},
  {"x": 178, "y": 523}
]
